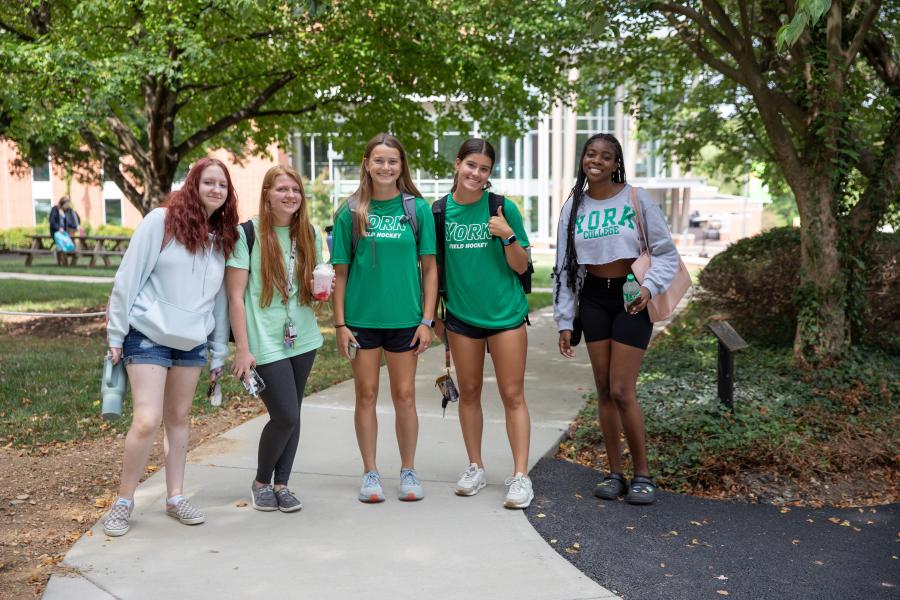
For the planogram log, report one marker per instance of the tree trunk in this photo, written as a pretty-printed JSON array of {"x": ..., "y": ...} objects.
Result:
[{"x": 822, "y": 325}]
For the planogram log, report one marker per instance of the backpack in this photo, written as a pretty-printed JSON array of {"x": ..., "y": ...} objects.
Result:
[
  {"x": 409, "y": 216},
  {"x": 495, "y": 201}
]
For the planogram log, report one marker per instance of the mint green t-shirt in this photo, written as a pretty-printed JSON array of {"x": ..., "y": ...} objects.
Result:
[
  {"x": 384, "y": 288},
  {"x": 482, "y": 289},
  {"x": 265, "y": 326}
]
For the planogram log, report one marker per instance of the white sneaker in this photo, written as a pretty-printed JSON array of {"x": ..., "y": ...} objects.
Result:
[
  {"x": 520, "y": 493},
  {"x": 470, "y": 481}
]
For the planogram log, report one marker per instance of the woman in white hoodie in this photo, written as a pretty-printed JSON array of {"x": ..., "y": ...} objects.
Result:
[{"x": 168, "y": 306}]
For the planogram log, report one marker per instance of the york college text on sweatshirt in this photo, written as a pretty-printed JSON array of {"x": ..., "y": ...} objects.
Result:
[{"x": 606, "y": 231}]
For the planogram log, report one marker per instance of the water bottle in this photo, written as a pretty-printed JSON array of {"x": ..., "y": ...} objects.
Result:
[
  {"x": 631, "y": 291},
  {"x": 112, "y": 389}
]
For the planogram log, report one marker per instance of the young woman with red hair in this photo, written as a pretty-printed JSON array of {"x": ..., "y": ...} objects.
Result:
[
  {"x": 269, "y": 300},
  {"x": 167, "y": 307}
]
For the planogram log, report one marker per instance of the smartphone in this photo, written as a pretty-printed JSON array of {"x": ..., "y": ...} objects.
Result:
[{"x": 351, "y": 350}]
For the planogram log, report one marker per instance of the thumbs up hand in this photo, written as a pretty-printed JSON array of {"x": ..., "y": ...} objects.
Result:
[{"x": 498, "y": 225}]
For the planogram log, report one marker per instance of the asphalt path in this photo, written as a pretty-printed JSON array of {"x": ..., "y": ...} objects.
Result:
[{"x": 690, "y": 548}]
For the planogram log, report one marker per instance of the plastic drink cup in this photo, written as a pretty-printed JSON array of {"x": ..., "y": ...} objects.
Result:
[{"x": 323, "y": 275}]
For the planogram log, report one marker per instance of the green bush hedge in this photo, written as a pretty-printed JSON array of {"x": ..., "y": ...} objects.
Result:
[
  {"x": 753, "y": 282},
  {"x": 17, "y": 237}
]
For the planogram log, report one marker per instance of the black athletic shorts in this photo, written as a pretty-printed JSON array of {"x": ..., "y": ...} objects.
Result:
[
  {"x": 603, "y": 315},
  {"x": 392, "y": 340},
  {"x": 460, "y": 327}
]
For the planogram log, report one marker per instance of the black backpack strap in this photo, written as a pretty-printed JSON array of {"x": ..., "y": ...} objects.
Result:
[
  {"x": 495, "y": 201},
  {"x": 354, "y": 229},
  {"x": 249, "y": 235},
  {"x": 409, "y": 213},
  {"x": 438, "y": 209}
]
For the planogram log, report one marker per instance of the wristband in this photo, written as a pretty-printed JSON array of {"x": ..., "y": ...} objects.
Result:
[
  {"x": 428, "y": 322},
  {"x": 509, "y": 240},
  {"x": 339, "y": 326}
]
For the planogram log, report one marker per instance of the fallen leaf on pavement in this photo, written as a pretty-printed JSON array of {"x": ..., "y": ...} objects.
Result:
[
  {"x": 785, "y": 510},
  {"x": 697, "y": 523},
  {"x": 722, "y": 578},
  {"x": 795, "y": 542},
  {"x": 541, "y": 515},
  {"x": 241, "y": 504},
  {"x": 722, "y": 592}
]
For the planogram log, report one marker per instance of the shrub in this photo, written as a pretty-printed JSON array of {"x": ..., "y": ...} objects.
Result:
[
  {"x": 17, "y": 237},
  {"x": 753, "y": 282}
]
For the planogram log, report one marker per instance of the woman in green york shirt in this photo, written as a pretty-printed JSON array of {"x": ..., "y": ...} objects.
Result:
[
  {"x": 485, "y": 302},
  {"x": 379, "y": 297}
]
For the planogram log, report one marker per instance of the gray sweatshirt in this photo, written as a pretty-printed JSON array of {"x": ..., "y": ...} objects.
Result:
[
  {"x": 173, "y": 297},
  {"x": 605, "y": 231}
]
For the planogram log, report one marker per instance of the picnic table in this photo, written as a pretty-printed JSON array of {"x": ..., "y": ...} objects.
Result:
[{"x": 92, "y": 246}]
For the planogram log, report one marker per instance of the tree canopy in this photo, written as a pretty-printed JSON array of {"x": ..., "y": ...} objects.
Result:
[
  {"x": 807, "y": 91},
  {"x": 141, "y": 86}
]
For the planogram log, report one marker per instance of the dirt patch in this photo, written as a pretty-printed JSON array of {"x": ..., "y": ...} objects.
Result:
[
  {"x": 52, "y": 495},
  {"x": 56, "y": 327}
]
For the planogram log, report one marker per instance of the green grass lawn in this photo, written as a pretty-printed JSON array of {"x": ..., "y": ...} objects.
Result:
[
  {"x": 52, "y": 296},
  {"x": 46, "y": 265}
]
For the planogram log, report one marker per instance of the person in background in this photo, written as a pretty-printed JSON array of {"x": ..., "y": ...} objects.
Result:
[{"x": 64, "y": 218}]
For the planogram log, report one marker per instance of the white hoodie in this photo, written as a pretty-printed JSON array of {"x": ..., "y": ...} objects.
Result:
[{"x": 173, "y": 297}]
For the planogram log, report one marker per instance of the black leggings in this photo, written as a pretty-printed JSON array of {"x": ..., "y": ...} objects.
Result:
[{"x": 285, "y": 381}]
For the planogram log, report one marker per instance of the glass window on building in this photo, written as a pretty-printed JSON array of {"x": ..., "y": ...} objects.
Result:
[
  {"x": 41, "y": 172},
  {"x": 320, "y": 155},
  {"x": 300, "y": 160},
  {"x": 42, "y": 211},
  {"x": 112, "y": 208}
]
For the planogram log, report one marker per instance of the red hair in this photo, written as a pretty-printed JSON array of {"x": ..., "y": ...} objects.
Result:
[{"x": 186, "y": 219}]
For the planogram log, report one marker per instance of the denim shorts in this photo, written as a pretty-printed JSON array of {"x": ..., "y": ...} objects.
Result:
[{"x": 138, "y": 349}]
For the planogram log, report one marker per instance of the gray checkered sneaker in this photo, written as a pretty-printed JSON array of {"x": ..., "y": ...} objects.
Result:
[
  {"x": 116, "y": 521},
  {"x": 185, "y": 512},
  {"x": 287, "y": 501}
]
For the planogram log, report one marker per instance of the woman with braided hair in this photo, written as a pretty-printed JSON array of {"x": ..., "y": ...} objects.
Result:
[{"x": 597, "y": 241}]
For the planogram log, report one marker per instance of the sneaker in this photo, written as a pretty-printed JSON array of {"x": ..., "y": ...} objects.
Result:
[
  {"x": 410, "y": 487},
  {"x": 611, "y": 487},
  {"x": 470, "y": 481},
  {"x": 263, "y": 497},
  {"x": 185, "y": 512},
  {"x": 287, "y": 501},
  {"x": 520, "y": 493},
  {"x": 371, "y": 491},
  {"x": 641, "y": 491},
  {"x": 116, "y": 521}
]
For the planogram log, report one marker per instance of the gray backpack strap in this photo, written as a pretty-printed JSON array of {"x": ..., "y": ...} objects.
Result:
[{"x": 409, "y": 212}]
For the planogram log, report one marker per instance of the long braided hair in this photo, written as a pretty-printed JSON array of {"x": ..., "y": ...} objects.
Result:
[{"x": 570, "y": 259}]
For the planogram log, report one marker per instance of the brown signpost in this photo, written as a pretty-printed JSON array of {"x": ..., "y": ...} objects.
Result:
[{"x": 729, "y": 343}]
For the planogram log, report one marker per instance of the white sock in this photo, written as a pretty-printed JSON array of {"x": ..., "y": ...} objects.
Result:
[{"x": 174, "y": 500}]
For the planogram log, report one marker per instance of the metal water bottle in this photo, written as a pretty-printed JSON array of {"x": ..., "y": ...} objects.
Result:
[{"x": 112, "y": 389}]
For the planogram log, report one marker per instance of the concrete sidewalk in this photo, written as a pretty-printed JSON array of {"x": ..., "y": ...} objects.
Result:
[
  {"x": 70, "y": 278},
  {"x": 336, "y": 547}
]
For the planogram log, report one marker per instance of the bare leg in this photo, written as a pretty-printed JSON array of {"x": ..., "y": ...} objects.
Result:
[
  {"x": 508, "y": 353},
  {"x": 468, "y": 357},
  {"x": 148, "y": 384},
  {"x": 181, "y": 384},
  {"x": 402, "y": 373},
  {"x": 610, "y": 423},
  {"x": 625, "y": 362},
  {"x": 365, "y": 380}
]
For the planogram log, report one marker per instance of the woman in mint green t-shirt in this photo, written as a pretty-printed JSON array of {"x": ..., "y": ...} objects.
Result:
[
  {"x": 485, "y": 303},
  {"x": 382, "y": 301},
  {"x": 269, "y": 297}
]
